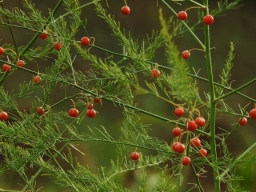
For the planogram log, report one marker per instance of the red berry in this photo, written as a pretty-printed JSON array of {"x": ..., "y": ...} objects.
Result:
[
  {"x": 1, "y": 51},
  {"x": 202, "y": 152},
  {"x": 185, "y": 54},
  {"x": 20, "y": 63},
  {"x": 179, "y": 111},
  {"x": 135, "y": 156},
  {"x": 37, "y": 79},
  {"x": 6, "y": 68},
  {"x": 178, "y": 147},
  {"x": 200, "y": 121},
  {"x": 57, "y": 46},
  {"x": 155, "y": 73},
  {"x": 176, "y": 131},
  {"x": 40, "y": 110},
  {"x": 191, "y": 125},
  {"x": 73, "y": 112},
  {"x": 43, "y": 35},
  {"x": 125, "y": 10},
  {"x": 185, "y": 160},
  {"x": 252, "y": 113},
  {"x": 182, "y": 15},
  {"x": 85, "y": 41},
  {"x": 89, "y": 105},
  {"x": 195, "y": 142},
  {"x": 3, "y": 116},
  {"x": 97, "y": 100},
  {"x": 91, "y": 113},
  {"x": 208, "y": 20},
  {"x": 243, "y": 121}
]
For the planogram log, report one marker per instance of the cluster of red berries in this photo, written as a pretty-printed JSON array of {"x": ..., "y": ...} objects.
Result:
[
  {"x": 182, "y": 15},
  {"x": 195, "y": 142},
  {"x": 243, "y": 120}
]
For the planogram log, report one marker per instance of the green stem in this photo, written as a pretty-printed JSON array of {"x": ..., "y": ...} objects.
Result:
[
  {"x": 37, "y": 34},
  {"x": 212, "y": 106},
  {"x": 235, "y": 90},
  {"x": 197, "y": 179},
  {"x": 186, "y": 26},
  {"x": 14, "y": 42}
]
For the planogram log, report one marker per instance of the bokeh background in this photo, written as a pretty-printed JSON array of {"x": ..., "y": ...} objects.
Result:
[{"x": 238, "y": 26}]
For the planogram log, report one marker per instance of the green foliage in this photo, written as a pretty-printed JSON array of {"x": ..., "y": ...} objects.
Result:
[{"x": 51, "y": 144}]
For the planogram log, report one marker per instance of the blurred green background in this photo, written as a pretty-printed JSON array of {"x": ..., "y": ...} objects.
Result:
[{"x": 238, "y": 26}]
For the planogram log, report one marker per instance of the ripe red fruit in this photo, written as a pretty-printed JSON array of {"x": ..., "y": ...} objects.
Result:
[
  {"x": 176, "y": 131},
  {"x": 37, "y": 79},
  {"x": 89, "y": 105},
  {"x": 85, "y": 41},
  {"x": 125, "y": 10},
  {"x": 135, "y": 156},
  {"x": 208, "y": 20},
  {"x": 182, "y": 15},
  {"x": 40, "y": 110},
  {"x": 20, "y": 63},
  {"x": 202, "y": 152},
  {"x": 3, "y": 115},
  {"x": 195, "y": 142},
  {"x": 43, "y": 35},
  {"x": 91, "y": 113},
  {"x": 185, "y": 160},
  {"x": 97, "y": 100},
  {"x": 1, "y": 50},
  {"x": 6, "y": 68},
  {"x": 252, "y": 113},
  {"x": 179, "y": 111},
  {"x": 185, "y": 54},
  {"x": 243, "y": 121},
  {"x": 191, "y": 125},
  {"x": 57, "y": 46},
  {"x": 200, "y": 121},
  {"x": 178, "y": 147},
  {"x": 155, "y": 73},
  {"x": 73, "y": 112}
]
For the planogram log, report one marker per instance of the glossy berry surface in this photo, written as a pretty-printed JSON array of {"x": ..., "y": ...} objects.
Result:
[
  {"x": 3, "y": 116},
  {"x": 37, "y": 79},
  {"x": 1, "y": 51},
  {"x": 185, "y": 161},
  {"x": 178, "y": 147},
  {"x": 85, "y": 41},
  {"x": 43, "y": 35},
  {"x": 57, "y": 46},
  {"x": 202, "y": 152},
  {"x": 40, "y": 110},
  {"x": 185, "y": 54},
  {"x": 97, "y": 100},
  {"x": 243, "y": 121},
  {"x": 135, "y": 156},
  {"x": 91, "y": 113},
  {"x": 125, "y": 10},
  {"x": 20, "y": 63},
  {"x": 6, "y": 68},
  {"x": 179, "y": 112},
  {"x": 73, "y": 112},
  {"x": 182, "y": 15},
  {"x": 191, "y": 126},
  {"x": 155, "y": 73},
  {"x": 252, "y": 113},
  {"x": 195, "y": 142},
  {"x": 208, "y": 20},
  {"x": 176, "y": 131},
  {"x": 200, "y": 121}
]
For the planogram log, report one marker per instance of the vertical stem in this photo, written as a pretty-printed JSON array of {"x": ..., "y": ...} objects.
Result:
[{"x": 212, "y": 105}]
